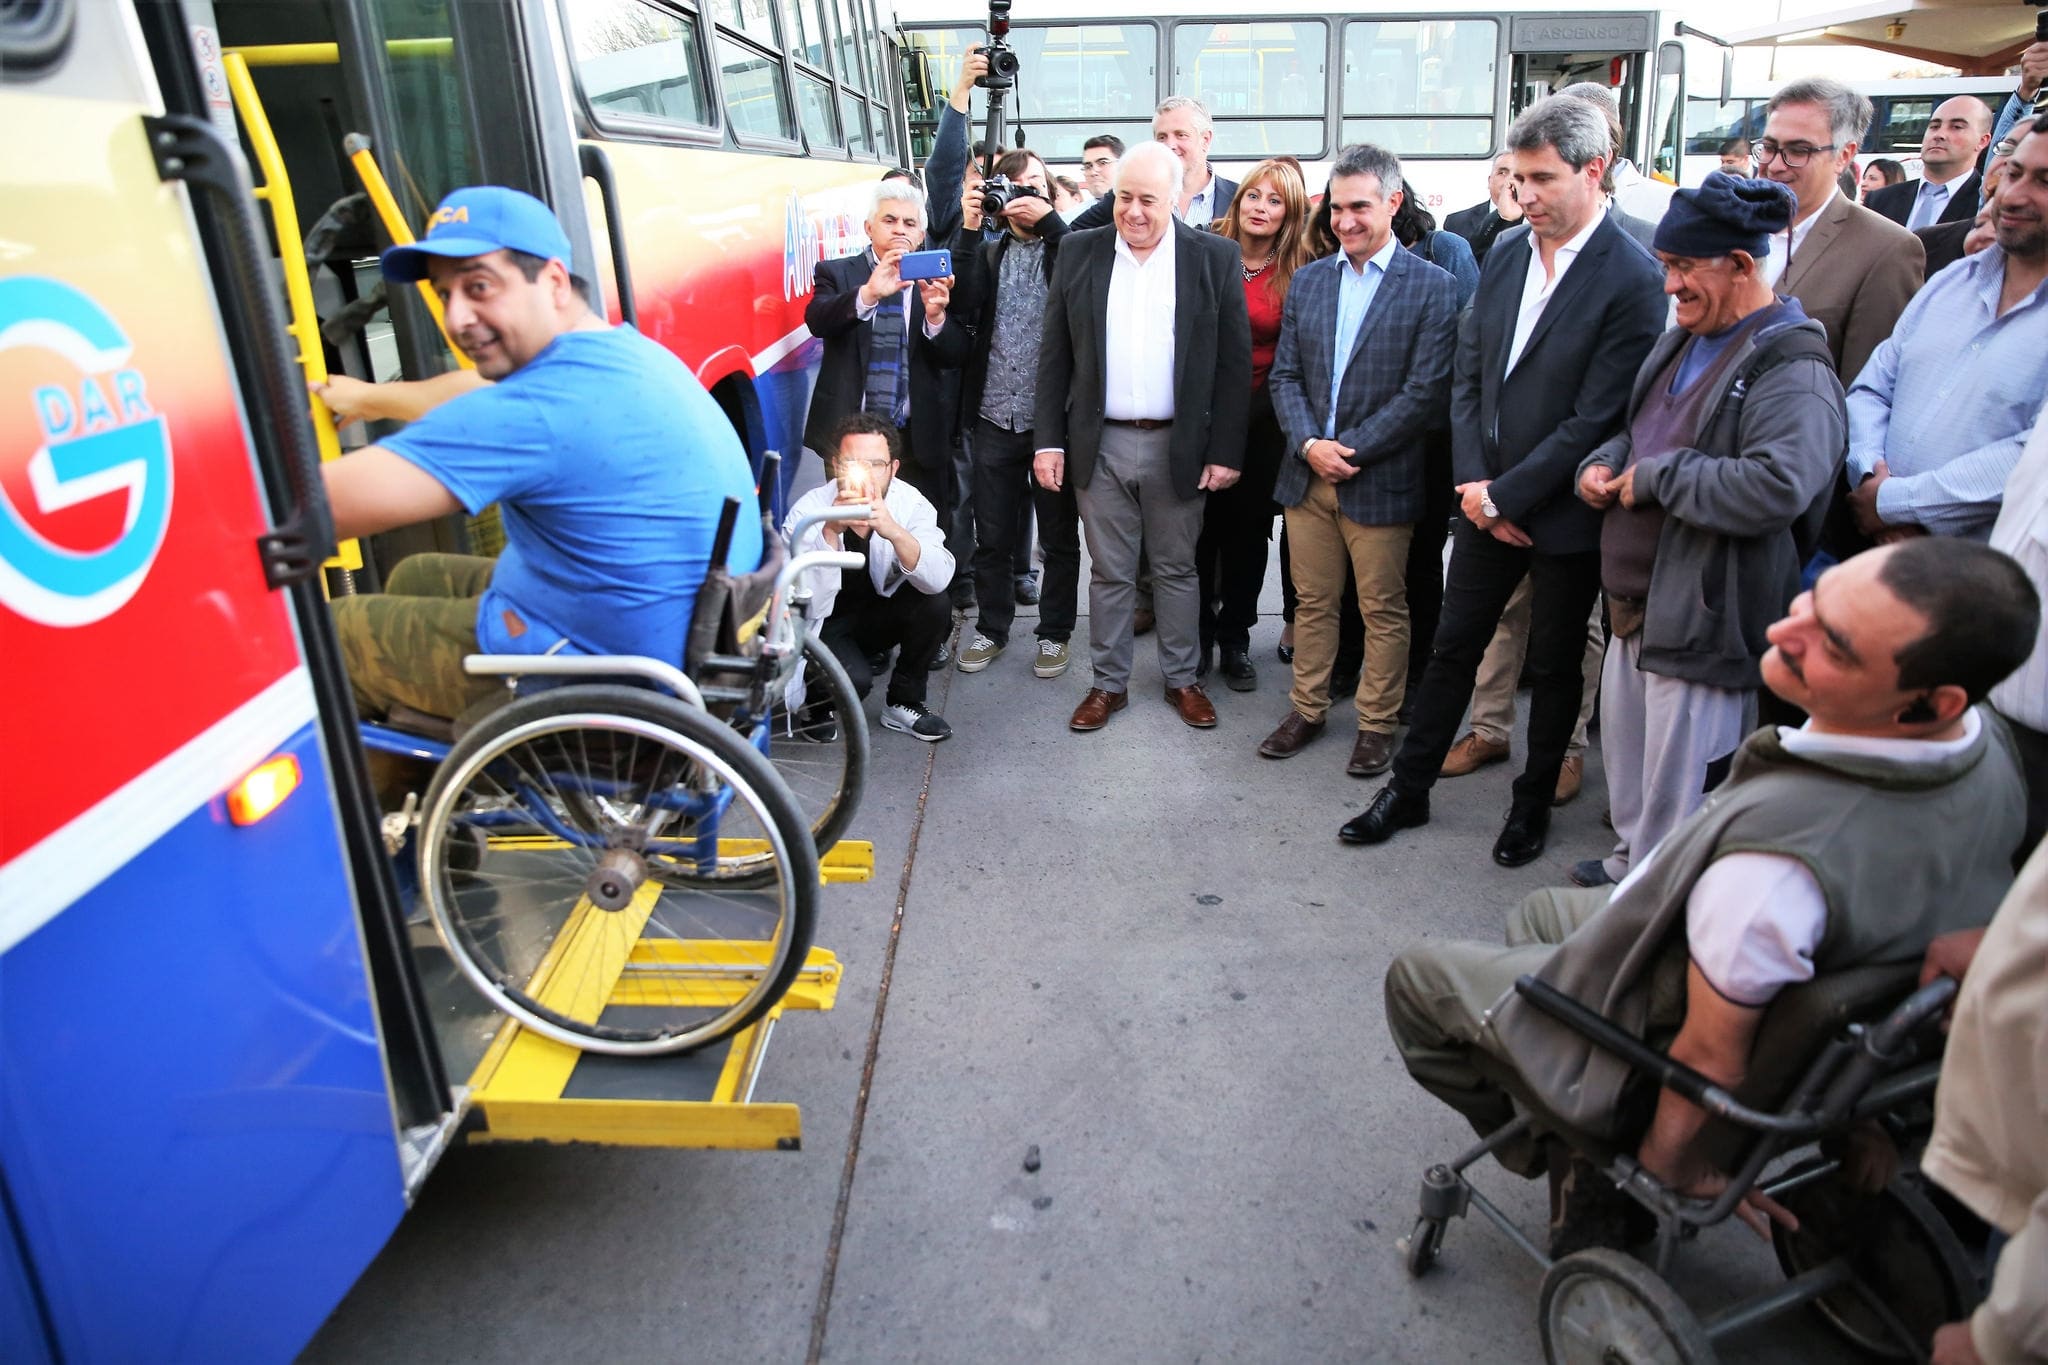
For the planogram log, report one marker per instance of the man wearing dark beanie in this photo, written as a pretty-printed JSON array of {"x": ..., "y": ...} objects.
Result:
[{"x": 1714, "y": 493}]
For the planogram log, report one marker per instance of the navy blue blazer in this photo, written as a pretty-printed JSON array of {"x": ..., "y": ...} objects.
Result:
[
  {"x": 1528, "y": 431},
  {"x": 1394, "y": 388}
]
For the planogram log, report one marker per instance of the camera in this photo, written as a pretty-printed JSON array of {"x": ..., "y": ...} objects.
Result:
[
  {"x": 1002, "y": 59},
  {"x": 998, "y": 192}
]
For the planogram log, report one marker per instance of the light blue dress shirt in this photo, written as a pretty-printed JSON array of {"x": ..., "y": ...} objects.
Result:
[
  {"x": 1355, "y": 292},
  {"x": 1947, "y": 399}
]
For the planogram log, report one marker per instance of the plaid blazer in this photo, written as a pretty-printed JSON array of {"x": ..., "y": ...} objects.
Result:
[{"x": 1396, "y": 384}]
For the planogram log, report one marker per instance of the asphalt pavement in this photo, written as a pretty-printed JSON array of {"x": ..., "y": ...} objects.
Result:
[{"x": 1141, "y": 954}]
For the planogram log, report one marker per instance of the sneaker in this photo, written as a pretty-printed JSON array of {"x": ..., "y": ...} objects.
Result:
[
  {"x": 915, "y": 720},
  {"x": 1052, "y": 658},
  {"x": 816, "y": 723},
  {"x": 979, "y": 654}
]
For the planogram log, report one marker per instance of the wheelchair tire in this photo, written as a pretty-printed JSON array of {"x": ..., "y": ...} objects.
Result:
[
  {"x": 1898, "y": 1245},
  {"x": 822, "y": 751},
  {"x": 538, "y": 844},
  {"x": 1601, "y": 1305},
  {"x": 1419, "y": 1250}
]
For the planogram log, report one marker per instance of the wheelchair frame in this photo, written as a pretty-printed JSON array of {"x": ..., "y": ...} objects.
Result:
[{"x": 1865, "y": 1071}]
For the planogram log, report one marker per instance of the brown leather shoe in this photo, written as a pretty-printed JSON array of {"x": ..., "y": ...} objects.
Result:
[
  {"x": 1371, "y": 753},
  {"x": 1472, "y": 753},
  {"x": 1193, "y": 704},
  {"x": 1142, "y": 621},
  {"x": 1096, "y": 708},
  {"x": 1292, "y": 734},
  {"x": 1569, "y": 779}
]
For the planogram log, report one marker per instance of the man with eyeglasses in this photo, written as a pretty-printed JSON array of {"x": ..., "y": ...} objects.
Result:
[
  {"x": 1852, "y": 271},
  {"x": 1099, "y": 155}
]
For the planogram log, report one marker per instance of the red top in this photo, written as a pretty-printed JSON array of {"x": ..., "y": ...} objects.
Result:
[{"x": 1264, "y": 304}]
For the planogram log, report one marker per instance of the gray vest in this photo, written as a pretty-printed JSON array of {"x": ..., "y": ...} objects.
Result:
[{"x": 1903, "y": 853}]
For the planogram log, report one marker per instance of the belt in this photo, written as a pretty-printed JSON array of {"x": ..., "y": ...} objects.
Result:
[{"x": 1141, "y": 423}]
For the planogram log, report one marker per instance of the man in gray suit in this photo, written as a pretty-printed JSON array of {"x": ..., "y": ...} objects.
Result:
[
  {"x": 1144, "y": 390},
  {"x": 1852, "y": 270},
  {"x": 1362, "y": 371}
]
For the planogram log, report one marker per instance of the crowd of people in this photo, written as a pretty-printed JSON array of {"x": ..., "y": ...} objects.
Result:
[{"x": 1732, "y": 454}]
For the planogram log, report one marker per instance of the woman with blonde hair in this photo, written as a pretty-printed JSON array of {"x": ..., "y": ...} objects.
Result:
[{"x": 1269, "y": 221}]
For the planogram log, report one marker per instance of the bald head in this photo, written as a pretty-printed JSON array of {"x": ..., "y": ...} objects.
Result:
[{"x": 1955, "y": 137}]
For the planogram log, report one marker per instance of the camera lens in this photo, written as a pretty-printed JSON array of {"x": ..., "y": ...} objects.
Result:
[{"x": 1002, "y": 62}]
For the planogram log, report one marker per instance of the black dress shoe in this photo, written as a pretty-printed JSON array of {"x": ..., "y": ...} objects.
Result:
[
  {"x": 1238, "y": 673},
  {"x": 1392, "y": 810},
  {"x": 1205, "y": 657},
  {"x": 1523, "y": 836}
]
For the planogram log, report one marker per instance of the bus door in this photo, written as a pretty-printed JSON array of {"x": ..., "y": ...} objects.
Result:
[
  {"x": 215, "y": 1086},
  {"x": 1547, "y": 52}
]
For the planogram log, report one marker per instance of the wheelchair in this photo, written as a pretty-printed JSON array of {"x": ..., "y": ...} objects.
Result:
[
  {"x": 1882, "y": 1269},
  {"x": 624, "y": 857}
]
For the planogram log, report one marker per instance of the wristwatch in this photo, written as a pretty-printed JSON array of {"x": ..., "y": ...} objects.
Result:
[
  {"x": 1306, "y": 444},
  {"x": 1486, "y": 504}
]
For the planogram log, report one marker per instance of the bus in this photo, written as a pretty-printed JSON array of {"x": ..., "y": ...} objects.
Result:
[
  {"x": 1900, "y": 111},
  {"x": 1437, "y": 88},
  {"x": 229, "y": 1060}
]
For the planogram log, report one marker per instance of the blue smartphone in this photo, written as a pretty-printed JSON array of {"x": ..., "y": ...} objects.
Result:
[{"x": 925, "y": 265}]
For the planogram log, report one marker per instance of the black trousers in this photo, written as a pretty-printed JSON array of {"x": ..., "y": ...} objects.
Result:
[
  {"x": 1004, "y": 497},
  {"x": 866, "y": 624},
  {"x": 1426, "y": 554},
  {"x": 1483, "y": 575},
  {"x": 1230, "y": 554},
  {"x": 2033, "y": 747}
]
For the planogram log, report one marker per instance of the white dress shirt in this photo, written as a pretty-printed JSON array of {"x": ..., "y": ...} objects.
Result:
[
  {"x": 2022, "y": 532},
  {"x": 1787, "y": 243},
  {"x": 1137, "y": 336},
  {"x": 1536, "y": 290}
]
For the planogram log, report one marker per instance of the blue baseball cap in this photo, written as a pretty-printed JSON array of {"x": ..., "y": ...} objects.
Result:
[{"x": 475, "y": 222}]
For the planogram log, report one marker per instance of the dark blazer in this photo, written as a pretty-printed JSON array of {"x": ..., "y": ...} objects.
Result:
[
  {"x": 1212, "y": 354},
  {"x": 1479, "y": 225},
  {"x": 1896, "y": 201},
  {"x": 1944, "y": 243},
  {"x": 1395, "y": 387},
  {"x": 1099, "y": 213},
  {"x": 1528, "y": 431},
  {"x": 842, "y": 374},
  {"x": 1854, "y": 274},
  {"x": 977, "y": 271}
]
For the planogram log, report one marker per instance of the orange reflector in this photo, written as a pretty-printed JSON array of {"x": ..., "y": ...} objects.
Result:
[{"x": 264, "y": 790}]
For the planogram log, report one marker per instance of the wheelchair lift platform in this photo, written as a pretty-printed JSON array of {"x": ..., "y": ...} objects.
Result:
[{"x": 532, "y": 1089}]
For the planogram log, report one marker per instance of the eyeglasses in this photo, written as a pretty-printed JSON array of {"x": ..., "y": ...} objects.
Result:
[{"x": 1794, "y": 154}]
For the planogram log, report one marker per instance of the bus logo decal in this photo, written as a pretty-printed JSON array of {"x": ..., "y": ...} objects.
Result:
[{"x": 96, "y": 435}]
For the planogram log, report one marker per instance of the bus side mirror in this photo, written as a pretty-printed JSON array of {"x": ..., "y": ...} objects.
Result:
[{"x": 918, "y": 96}]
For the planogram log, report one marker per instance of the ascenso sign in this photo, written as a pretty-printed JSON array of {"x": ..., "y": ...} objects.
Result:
[{"x": 68, "y": 441}]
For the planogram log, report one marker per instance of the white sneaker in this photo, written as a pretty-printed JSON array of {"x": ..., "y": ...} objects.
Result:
[
  {"x": 979, "y": 654},
  {"x": 1052, "y": 658},
  {"x": 919, "y": 722}
]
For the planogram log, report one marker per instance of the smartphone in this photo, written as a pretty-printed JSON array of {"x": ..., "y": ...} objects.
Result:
[{"x": 925, "y": 265}]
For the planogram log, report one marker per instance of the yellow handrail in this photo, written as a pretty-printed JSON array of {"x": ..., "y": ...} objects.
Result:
[
  {"x": 304, "y": 327},
  {"x": 357, "y": 149},
  {"x": 328, "y": 54}
]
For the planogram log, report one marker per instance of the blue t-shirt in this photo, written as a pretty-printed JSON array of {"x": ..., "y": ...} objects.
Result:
[{"x": 610, "y": 464}]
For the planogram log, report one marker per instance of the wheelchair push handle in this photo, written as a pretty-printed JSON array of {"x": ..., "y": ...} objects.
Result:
[
  {"x": 801, "y": 527},
  {"x": 721, "y": 543}
]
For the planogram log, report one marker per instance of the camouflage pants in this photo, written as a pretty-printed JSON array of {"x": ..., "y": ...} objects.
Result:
[{"x": 405, "y": 645}]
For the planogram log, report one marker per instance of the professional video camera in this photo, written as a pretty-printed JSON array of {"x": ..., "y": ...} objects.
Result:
[{"x": 998, "y": 192}]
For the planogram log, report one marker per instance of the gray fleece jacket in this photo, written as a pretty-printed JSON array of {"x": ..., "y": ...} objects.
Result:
[{"x": 1743, "y": 507}]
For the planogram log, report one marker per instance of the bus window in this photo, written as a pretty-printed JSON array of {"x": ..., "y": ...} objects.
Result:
[
  {"x": 814, "y": 107},
  {"x": 1252, "y": 70},
  {"x": 751, "y": 17},
  {"x": 801, "y": 33},
  {"x": 635, "y": 60},
  {"x": 854, "y": 111},
  {"x": 1710, "y": 123},
  {"x": 852, "y": 72},
  {"x": 756, "y": 99},
  {"x": 1086, "y": 71},
  {"x": 1442, "y": 70}
]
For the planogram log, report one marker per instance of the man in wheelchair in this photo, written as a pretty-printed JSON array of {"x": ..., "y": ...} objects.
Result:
[
  {"x": 610, "y": 462},
  {"x": 1888, "y": 819}
]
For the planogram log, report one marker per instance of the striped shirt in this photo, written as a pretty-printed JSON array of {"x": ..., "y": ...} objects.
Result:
[
  {"x": 1948, "y": 398},
  {"x": 2022, "y": 532}
]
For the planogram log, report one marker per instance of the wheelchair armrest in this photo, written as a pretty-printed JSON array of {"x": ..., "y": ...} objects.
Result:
[
  {"x": 1708, "y": 1094},
  {"x": 850, "y": 512},
  {"x": 590, "y": 667}
]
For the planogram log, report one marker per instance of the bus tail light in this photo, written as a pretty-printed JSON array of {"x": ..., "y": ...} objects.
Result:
[{"x": 263, "y": 790}]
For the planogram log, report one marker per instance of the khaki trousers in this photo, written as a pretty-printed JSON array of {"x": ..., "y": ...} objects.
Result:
[
  {"x": 1439, "y": 995},
  {"x": 1493, "y": 693},
  {"x": 404, "y": 646},
  {"x": 1321, "y": 540}
]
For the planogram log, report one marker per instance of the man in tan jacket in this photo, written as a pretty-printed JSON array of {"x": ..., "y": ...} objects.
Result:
[
  {"x": 1852, "y": 270},
  {"x": 1991, "y": 1114}
]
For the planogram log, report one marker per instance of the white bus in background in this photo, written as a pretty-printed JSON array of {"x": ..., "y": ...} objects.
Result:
[
  {"x": 1900, "y": 113},
  {"x": 1438, "y": 89}
]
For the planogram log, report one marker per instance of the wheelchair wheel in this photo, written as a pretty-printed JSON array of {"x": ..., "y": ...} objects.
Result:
[
  {"x": 821, "y": 749},
  {"x": 1419, "y": 1249},
  {"x": 1901, "y": 1250},
  {"x": 540, "y": 845},
  {"x": 1601, "y": 1306}
]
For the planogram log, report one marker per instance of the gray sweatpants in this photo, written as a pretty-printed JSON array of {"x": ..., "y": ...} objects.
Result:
[
  {"x": 1129, "y": 503},
  {"x": 1659, "y": 737}
]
